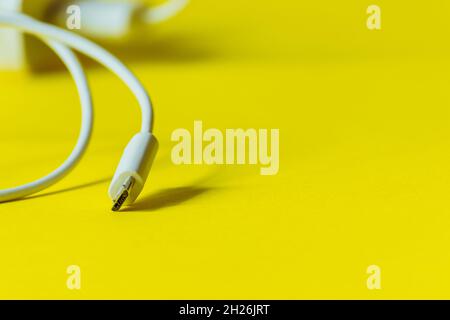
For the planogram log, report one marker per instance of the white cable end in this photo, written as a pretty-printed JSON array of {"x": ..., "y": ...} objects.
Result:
[{"x": 133, "y": 169}]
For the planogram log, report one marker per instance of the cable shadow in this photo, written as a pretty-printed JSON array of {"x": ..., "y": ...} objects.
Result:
[
  {"x": 167, "y": 198},
  {"x": 175, "y": 196},
  {"x": 77, "y": 187},
  {"x": 177, "y": 48},
  {"x": 174, "y": 48}
]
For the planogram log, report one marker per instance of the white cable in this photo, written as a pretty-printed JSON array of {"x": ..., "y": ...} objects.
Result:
[
  {"x": 136, "y": 161},
  {"x": 74, "y": 66},
  {"x": 165, "y": 11}
]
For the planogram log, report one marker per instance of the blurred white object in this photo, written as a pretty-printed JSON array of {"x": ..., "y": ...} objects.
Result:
[
  {"x": 100, "y": 20},
  {"x": 165, "y": 11},
  {"x": 11, "y": 44}
]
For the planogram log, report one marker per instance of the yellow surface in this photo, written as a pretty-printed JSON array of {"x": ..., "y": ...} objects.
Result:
[{"x": 364, "y": 175}]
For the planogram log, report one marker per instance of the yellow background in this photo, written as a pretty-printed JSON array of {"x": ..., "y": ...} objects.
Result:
[{"x": 364, "y": 173}]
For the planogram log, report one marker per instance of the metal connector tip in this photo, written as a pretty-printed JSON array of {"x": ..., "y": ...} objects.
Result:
[{"x": 122, "y": 194}]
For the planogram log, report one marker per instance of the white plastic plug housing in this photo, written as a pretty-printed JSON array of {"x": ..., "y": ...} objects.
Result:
[{"x": 136, "y": 162}]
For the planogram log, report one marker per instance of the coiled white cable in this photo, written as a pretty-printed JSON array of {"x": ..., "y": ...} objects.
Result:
[
  {"x": 72, "y": 63},
  {"x": 60, "y": 40}
]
